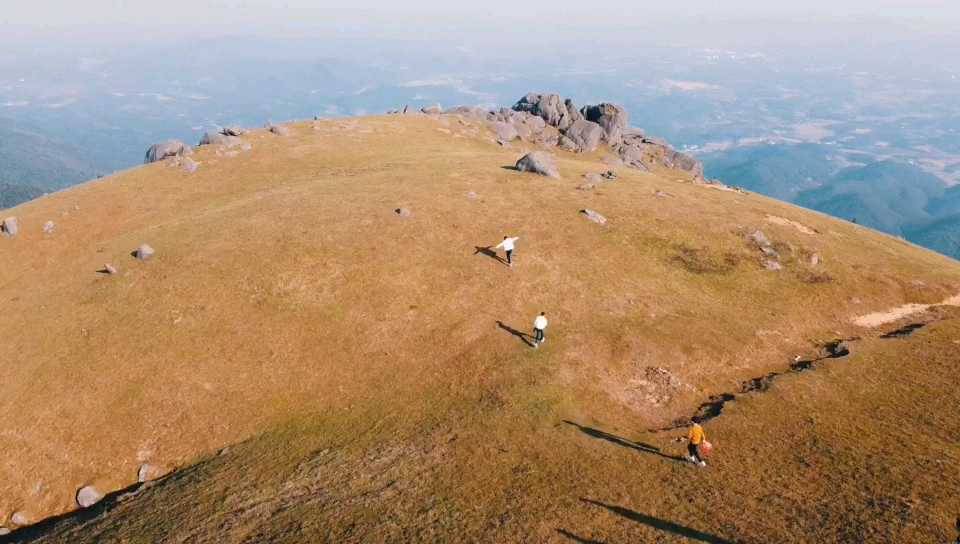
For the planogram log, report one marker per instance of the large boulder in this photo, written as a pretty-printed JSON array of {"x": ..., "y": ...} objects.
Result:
[
  {"x": 686, "y": 163},
  {"x": 280, "y": 130},
  {"x": 162, "y": 150},
  {"x": 432, "y": 109},
  {"x": 472, "y": 112},
  {"x": 538, "y": 162},
  {"x": 234, "y": 130},
  {"x": 214, "y": 137},
  {"x": 583, "y": 135},
  {"x": 143, "y": 252},
  {"x": 611, "y": 118},
  {"x": 188, "y": 165},
  {"x": 505, "y": 131},
  {"x": 547, "y": 106},
  {"x": 534, "y": 122}
]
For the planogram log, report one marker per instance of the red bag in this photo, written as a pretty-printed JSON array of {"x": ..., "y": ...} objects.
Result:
[{"x": 706, "y": 447}]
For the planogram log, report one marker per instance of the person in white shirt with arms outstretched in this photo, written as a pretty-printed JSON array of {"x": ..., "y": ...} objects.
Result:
[
  {"x": 539, "y": 324},
  {"x": 507, "y": 245}
]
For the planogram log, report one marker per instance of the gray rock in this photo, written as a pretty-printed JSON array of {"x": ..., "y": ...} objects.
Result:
[
  {"x": 280, "y": 130},
  {"x": 188, "y": 165},
  {"x": 611, "y": 118},
  {"x": 770, "y": 252},
  {"x": 524, "y": 131},
  {"x": 20, "y": 519},
  {"x": 4, "y": 531},
  {"x": 234, "y": 130},
  {"x": 772, "y": 265},
  {"x": 593, "y": 176},
  {"x": 547, "y": 106},
  {"x": 585, "y": 135},
  {"x": 472, "y": 194},
  {"x": 218, "y": 138},
  {"x": 174, "y": 162},
  {"x": 814, "y": 259},
  {"x": 594, "y": 216},
  {"x": 143, "y": 252},
  {"x": 88, "y": 496},
  {"x": 856, "y": 300},
  {"x": 534, "y": 122},
  {"x": 538, "y": 162},
  {"x": 686, "y": 163},
  {"x": 162, "y": 150},
  {"x": 760, "y": 238},
  {"x": 658, "y": 192},
  {"x": 612, "y": 161},
  {"x": 110, "y": 269},
  {"x": 432, "y": 109},
  {"x": 48, "y": 227},
  {"x": 10, "y": 227},
  {"x": 609, "y": 174},
  {"x": 402, "y": 212},
  {"x": 572, "y": 115},
  {"x": 505, "y": 131},
  {"x": 586, "y": 186},
  {"x": 471, "y": 112},
  {"x": 147, "y": 472}
]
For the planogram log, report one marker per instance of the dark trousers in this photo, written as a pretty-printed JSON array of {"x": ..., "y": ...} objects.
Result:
[
  {"x": 538, "y": 335},
  {"x": 509, "y": 254},
  {"x": 694, "y": 451}
]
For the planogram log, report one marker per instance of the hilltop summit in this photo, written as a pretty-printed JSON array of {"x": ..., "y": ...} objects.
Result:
[{"x": 297, "y": 361}]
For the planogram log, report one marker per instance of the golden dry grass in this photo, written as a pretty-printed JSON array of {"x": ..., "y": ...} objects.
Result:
[{"x": 360, "y": 352}]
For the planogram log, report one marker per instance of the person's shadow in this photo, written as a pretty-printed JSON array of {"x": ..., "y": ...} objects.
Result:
[
  {"x": 620, "y": 441},
  {"x": 489, "y": 252},
  {"x": 521, "y": 335}
]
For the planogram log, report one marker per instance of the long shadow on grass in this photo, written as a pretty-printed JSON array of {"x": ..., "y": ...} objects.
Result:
[
  {"x": 620, "y": 441},
  {"x": 489, "y": 252},
  {"x": 521, "y": 335},
  {"x": 576, "y": 538},
  {"x": 661, "y": 524}
]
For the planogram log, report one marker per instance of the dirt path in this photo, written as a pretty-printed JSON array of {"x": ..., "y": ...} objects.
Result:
[{"x": 880, "y": 318}]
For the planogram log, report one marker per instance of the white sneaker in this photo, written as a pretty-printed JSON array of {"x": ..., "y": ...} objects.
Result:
[
  {"x": 703, "y": 463},
  {"x": 692, "y": 459},
  {"x": 544, "y": 340}
]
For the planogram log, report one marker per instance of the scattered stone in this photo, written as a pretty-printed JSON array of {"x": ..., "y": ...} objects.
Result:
[
  {"x": 234, "y": 130},
  {"x": 245, "y": 146},
  {"x": 280, "y": 130},
  {"x": 432, "y": 109},
  {"x": 143, "y": 252},
  {"x": 472, "y": 112},
  {"x": 110, "y": 269},
  {"x": 48, "y": 227},
  {"x": 174, "y": 162},
  {"x": 20, "y": 519},
  {"x": 218, "y": 138},
  {"x": 188, "y": 165},
  {"x": 593, "y": 176},
  {"x": 147, "y": 472},
  {"x": 586, "y": 186},
  {"x": 538, "y": 162},
  {"x": 594, "y": 216},
  {"x": 609, "y": 174},
  {"x": 88, "y": 496},
  {"x": 759, "y": 237},
  {"x": 770, "y": 252},
  {"x": 658, "y": 192},
  {"x": 855, "y": 300},
  {"x": 162, "y": 150},
  {"x": 9, "y": 226},
  {"x": 472, "y": 194},
  {"x": 772, "y": 265},
  {"x": 402, "y": 212},
  {"x": 918, "y": 283},
  {"x": 231, "y": 153},
  {"x": 814, "y": 259},
  {"x": 224, "y": 451}
]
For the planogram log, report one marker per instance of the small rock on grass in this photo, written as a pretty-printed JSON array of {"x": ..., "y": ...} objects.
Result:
[
  {"x": 110, "y": 269},
  {"x": 538, "y": 162},
  {"x": 188, "y": 165},
  {"x": 772, "y": 265},
  {"x": 402, "y": 212},
  {"x": 4, "y": 531},
  {"x": 586, "y": 186},
  {"x": 245, "y": 146},
  {"x": 10, "y": 227},
  {"x": 472, "y": 194},
  {"x": 814, "y": 259},
  {"x": 759, "y": 237},
  {"x": 147, "y": 472},
  {"x": 593, "y": 176},
  {"x": 48, "y": 227},
  {"x": 88, "y": 496},
  {"x": 594, "y": 216},
  {"x": 20, "y": 519},
  {"x": 280, "y": 130},
  {"x": 143, "y": 252}
]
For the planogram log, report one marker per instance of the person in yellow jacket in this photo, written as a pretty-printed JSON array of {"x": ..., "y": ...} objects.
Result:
[{"x": 695, "y": 437}]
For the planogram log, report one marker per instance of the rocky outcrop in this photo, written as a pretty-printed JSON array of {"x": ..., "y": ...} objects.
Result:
[
  {"x": 215, "y": 137},
  {"x": 280, "y": 130},
  {"x": 432, "y": 109},
  {"x": 472, "y": 112},
  {"x": 162, "y": 150},
  {"x": 538, "y": 162},
  {"x": 549, "y": 107},
  {"x": 505, "y": 132},
  {"x": 611, "y": 118},
  {"x": 10, "y": 227}
]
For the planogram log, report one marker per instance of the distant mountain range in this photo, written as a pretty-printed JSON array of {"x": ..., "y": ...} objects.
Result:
[
  {"x": 892, "y": 196},
  {"x": 32, "y": 162}
]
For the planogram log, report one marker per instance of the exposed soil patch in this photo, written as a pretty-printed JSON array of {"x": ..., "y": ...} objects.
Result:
[{"x": 777, "y": 220}]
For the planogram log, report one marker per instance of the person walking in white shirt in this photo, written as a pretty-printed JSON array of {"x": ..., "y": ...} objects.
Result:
[
  {"x": 539, "y": 324},
  {"x": 507, "y": 245}
]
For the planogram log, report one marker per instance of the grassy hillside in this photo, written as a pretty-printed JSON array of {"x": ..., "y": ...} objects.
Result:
[{"x": 368, "y": 371}]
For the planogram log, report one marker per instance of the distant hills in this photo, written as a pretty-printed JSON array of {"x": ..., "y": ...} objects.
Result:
[
  {"x": 33, "y": 161},
  {"x": 891, "y": 195}
]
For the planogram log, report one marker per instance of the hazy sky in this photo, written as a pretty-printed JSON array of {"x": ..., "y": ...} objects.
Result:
[{"x": 63, "y": 12}]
